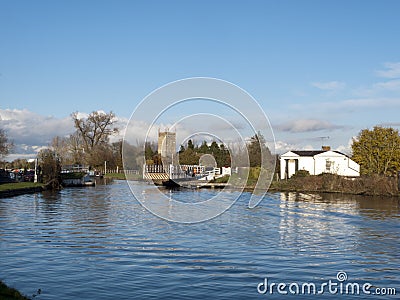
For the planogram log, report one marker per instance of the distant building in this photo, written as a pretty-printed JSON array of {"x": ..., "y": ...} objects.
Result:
[
  {"x": 317, "y": 162},
  {"x": 167, "y": 146}
]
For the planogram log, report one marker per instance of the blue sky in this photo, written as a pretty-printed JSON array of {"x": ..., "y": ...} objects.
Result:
[{"x": 317, "y": 68}]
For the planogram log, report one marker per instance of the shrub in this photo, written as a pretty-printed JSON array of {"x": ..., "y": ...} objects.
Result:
[
  {"x": 223, "y": 179},
  {"x": 301, "y": 173}
]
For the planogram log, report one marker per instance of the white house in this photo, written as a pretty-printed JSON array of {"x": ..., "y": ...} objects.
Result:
[{"x": 318, "y": 162}]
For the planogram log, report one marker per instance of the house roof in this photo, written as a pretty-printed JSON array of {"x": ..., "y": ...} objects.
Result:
[
  {"x": 307, "y": 152},
  {"x": 311, "y": 153}
]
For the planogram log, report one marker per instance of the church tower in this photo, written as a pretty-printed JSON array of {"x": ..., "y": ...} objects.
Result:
[{"x": 167, "y": 146}]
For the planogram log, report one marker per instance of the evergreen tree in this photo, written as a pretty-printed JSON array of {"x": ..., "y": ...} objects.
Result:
[
  {"x": 50, "y": 167},
  {"x": 190, "y": 144},
  {"x": 182, "y": 149},
  {"x": 258, "y": 149},
  {"x": 204, "y": 148}
]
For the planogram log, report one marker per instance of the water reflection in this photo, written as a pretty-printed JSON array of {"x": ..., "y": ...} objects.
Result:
[
  {"x": 356, "y": 224},
  {"x": 308, "y": 221},
  {"x": 371, "y": 206}
]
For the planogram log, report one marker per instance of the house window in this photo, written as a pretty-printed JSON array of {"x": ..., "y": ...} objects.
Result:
[{"x": 328, "y": 165}]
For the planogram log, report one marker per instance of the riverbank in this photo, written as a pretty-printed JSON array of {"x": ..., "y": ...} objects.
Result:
[
  {"x": 324, "y": 183},
  {"x": 19, "y": 188},
  {"x": 117, "y": 176},
  {"x": 375, "y": 185},
  {"x": 330, "y": 183},
  {"x": 7, "y": 293}
]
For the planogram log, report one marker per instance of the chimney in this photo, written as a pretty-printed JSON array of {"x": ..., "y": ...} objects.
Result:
[{"x": 326, "y": 148}]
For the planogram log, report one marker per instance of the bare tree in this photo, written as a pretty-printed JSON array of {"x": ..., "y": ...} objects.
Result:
[
  {"x": 96, "y": 128},
  {"x": 94, "y": 132},
  {"x": 59, "y": 144},
  {"x": 5, "y": 144},
  {"x": 75, "y": 148}
]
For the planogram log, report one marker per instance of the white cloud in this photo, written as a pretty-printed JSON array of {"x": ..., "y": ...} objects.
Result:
[
  {"x": 346, "y": 149},
  {"x": 308, "y": 147},
  {"x": 15, "y": 156},
  {"x": 329, "y": 85},
  {"x": 307, "y": 125},
  {"x": 390, "y": 124},
  {"x": 383, "y": 103},
  {"x": 392, "y": 70},
  {"x": 25, "y": 151},
  {"x": 282, "y": 147},
  {"x": 32, "y": 132},
  {"x": 27, "y": 127},
  {"x": 388, "y": 85},
  {"x": 373, "y": 102}
]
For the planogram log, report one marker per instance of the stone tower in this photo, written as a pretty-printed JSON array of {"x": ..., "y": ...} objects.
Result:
[{"x": 167, "y": 146}]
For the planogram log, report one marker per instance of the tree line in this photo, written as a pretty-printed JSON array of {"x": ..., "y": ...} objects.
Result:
[
  {"x": 377, "y": 150},
  {"x": 191, "y": 153},
  {"x": 90, "y": 143}
]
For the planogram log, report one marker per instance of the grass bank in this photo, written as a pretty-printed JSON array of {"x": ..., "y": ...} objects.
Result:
[
  {"x": 117, "y": 176},
  {"x": 331, "y": 183},
  {"x": 19, "y": 188},
  {"x": 19, "y": 185},
  {"x": 7, "y": 293},
  {"x": 374, "y": 185},
  {"x": 121, "y": 176}
]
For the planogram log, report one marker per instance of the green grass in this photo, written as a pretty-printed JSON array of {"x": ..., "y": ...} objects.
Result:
[
  {"x": 251, "y": 179},
  {"x": 7, "y": 293},
  {"x": 118, "y": 176},
  {"x": 223, "y": 179},
  {"x": 18, "y": 185},
  {"x": 121, "y": 176}
]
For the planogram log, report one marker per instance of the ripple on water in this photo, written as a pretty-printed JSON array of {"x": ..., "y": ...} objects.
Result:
[{"x": 100, "y": 243}]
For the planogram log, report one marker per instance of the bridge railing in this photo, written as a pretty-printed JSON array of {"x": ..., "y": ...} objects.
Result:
[
  {"x": 155, "y": 169},
  {"x": 121, "y": 171},
  {"x": 173, "y": 172}
]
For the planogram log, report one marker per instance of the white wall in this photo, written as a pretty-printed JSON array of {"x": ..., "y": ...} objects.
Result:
[
  {"x": 304, "y": 163},
  {"x": 283, "y": 164},
  {"x": 226, "y": 171},
  {"x": 307, "y": 163},
  {"x": 291, "y": 157},
  {"x": 339, "y": 164}
]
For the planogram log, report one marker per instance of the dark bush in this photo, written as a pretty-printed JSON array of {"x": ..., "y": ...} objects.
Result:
[{"x": 301, "y": 173}]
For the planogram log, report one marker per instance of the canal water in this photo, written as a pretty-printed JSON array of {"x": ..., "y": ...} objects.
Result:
[{"x": 100, "y": 243}]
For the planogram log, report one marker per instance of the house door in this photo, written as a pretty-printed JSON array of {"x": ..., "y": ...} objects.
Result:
[{"x": 292, "y": 167}]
